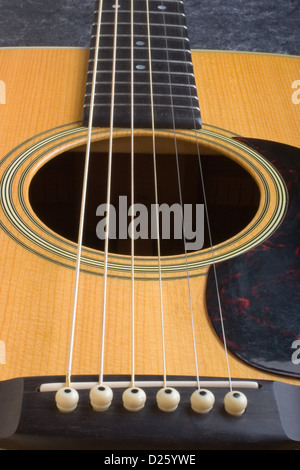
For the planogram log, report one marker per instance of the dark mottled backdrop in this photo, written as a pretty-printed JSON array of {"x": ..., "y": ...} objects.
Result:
[{"x": 252, "y": 25}]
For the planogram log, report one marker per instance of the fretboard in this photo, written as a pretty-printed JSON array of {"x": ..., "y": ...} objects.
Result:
[{"x": 146, "y": 67}]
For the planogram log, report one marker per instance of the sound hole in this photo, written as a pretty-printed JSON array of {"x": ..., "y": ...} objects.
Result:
[{"x": 55, "y": 196}]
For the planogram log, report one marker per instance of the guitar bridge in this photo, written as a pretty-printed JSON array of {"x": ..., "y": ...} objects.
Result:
[{"x": 29, "y": 418}]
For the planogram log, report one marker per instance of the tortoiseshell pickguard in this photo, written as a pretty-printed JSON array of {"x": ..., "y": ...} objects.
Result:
[{"x": 260, "y": 290}]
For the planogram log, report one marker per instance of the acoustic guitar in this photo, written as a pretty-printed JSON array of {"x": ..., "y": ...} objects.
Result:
[{"x": 149, "y": 273}]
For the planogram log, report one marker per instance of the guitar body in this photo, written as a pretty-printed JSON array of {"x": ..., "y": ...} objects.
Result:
[{"x": 241, "y": 95}]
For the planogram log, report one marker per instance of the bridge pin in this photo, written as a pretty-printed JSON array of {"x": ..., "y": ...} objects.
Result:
[
  {"x": 168, "y": 399},
  {"x": 235, "y": 403},
  {"x": 134, "y": 399},
  {"x": 202, "y": 401},
  {"x": 101, "y": 397},
  {"x": 67, "y": 399}
]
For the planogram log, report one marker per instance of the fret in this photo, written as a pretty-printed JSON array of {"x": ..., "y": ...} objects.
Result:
[
  {"x": 157, "y": 31},
  {"x": 136, "y": 95},
  {"x": 144, "y": 99},
  {"x": 154, "y": 61},
  {"x": 158, "y": 67},
  {"x": 124, "y": 99},
  {"x": 187, "y": 116},
  {"x": 172, "y": 81},
  {"x": 156, "y": 42},
  {"x": 143, "y": 88},
  {"x": 159, "y": 77},
  {"x": 142, "y": 2},
  {"x": 141, "y": 36},
  {"x": 124, "y": 49},
  {"x": 153, "y": 5},
  {"x": 156, "y": 18},
  {"x": 145, "y": 105},
  {"x": 141, "y": 53},
  {"x": 127, "y": 24},
  {"x": 139, "y": 12}
]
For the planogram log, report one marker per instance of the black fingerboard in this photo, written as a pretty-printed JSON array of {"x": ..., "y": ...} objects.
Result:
[{"x": 144, "y": 65}]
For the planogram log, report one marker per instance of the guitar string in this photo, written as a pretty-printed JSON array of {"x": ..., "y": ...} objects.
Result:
[
  {"x": 211, "y": 246},
  {"x": 220, "y": 308},
  {"x": 108, "y": 195},
  {"x": 132, "y": 202},
  {"x": 157, "y": 214},
  {"x": 83, "y": 204},
  {"x": 156, "y": 196},
  {"x": 214, "y": 268},
  {"x": 181, "y": 207}
]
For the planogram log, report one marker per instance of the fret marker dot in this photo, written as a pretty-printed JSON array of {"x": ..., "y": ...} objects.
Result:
[
  {"x": 140, "y": 43},
  {"x": 162, "y": 7},
  {"x": 140, "y": 67}
]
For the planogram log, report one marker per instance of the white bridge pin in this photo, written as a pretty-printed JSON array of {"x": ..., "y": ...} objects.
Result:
[
  {"x": 134, "y": 399},
  {"x": 67, "y": 399},
  {"x": 235, "y": 403},
  {"x": 168, "y": 399},
  {"x": 101, "y": 397},
  {"x": 202, "y": 401}
]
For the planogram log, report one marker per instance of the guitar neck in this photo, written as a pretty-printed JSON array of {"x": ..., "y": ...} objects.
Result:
[{"x": 143, "y": 63}]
